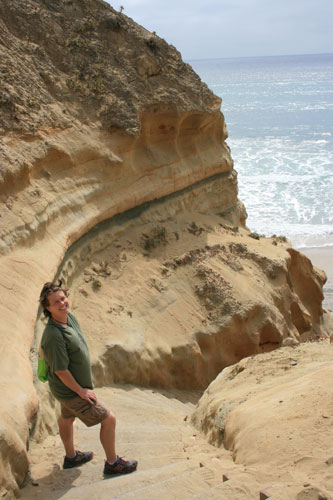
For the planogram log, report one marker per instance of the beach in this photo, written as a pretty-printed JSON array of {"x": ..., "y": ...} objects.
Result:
[{"x": 322, "y": 257}]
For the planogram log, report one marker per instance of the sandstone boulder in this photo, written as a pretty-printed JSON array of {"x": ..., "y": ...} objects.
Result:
[{"x": 274, "y": 411}]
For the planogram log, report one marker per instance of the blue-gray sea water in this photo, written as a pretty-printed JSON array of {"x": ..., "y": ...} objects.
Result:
[{"x": 279, "y": 115}]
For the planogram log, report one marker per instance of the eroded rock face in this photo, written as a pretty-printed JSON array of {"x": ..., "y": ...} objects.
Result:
[
  {"x": 273, "y": 410},
  {"x": 83, "y": 111},
  {"x": 170, "y": 297},
  {"x": 99, "y": 118},
  {"x": 62, "y": 60}
]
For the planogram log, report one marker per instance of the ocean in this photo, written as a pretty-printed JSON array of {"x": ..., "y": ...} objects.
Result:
[{"x": 279, "y": 115}]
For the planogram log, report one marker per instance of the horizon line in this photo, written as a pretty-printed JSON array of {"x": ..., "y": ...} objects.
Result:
[{"x": 257, "y": 57}]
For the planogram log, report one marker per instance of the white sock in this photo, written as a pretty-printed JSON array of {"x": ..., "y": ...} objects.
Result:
[{"x": 113, "y": 463}]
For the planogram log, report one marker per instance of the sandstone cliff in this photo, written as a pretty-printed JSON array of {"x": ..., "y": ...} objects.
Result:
[
  {"x": 170, "y": 297},
  {"x": 98, "y": 118}
]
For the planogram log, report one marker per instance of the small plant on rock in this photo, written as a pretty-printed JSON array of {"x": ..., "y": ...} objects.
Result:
[
  {"x": 31, "y": 102},
  {"x": 157, "y": 236},
  {"x": 279, "y": 239},
  {"x": 112, "y": 23},
  {"x": 4, "y": 100},
  {"x": 194, "y": 229},
  {"x": 73, "y": 83},
  {"x": 255, "y": 236},
  {"x": 87, "y": 25},
  {"x": 96, "y": 284},
  {"x": 151, "y": 42}
]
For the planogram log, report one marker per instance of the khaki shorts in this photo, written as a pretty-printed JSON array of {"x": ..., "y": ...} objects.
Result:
[{"x": 90, "y": 414}]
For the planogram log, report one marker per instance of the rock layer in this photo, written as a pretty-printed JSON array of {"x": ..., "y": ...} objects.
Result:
[
  {"x": 99, "y": 117},
  {"x": 170, "y": 297}
]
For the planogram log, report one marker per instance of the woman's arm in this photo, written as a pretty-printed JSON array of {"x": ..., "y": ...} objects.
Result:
[{"x": 67, "y": 378}]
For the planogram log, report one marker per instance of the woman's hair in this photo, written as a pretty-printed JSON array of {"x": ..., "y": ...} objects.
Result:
[{"x": 47, "y": 290}]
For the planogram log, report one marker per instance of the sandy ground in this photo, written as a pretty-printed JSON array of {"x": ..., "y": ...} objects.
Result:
[
  {"x": 176, "y": 461},
  {"x": 323, "y": 258}
]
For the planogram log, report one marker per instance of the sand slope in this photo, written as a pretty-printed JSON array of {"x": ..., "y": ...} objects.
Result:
[
  {"x": 174, "y": 461},
  {"x": 273, "y": 411},
  {"x": 282, "y": 447}
]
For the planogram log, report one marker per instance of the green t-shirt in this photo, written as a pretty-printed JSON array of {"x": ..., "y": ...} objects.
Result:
[{"x": 66, "y": 349}]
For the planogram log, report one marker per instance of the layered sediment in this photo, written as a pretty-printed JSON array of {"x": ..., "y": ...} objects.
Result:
[
  {"x": 170, "y": 297},
  {"x": 112, "y": 149},
  {"x": 98, "y": 116}
]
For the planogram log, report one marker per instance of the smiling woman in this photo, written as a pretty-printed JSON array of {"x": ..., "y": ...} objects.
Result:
[
  {"x": 53, "y": 299},
  {"x": 69, "y": 375}
]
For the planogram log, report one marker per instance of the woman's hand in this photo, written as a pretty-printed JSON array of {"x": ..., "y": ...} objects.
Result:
[
  {"x": 67, "y": 378},
  {"x": 88, "y": 395}
]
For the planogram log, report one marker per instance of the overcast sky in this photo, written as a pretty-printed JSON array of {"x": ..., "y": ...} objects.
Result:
[{"x": 237, "y": 28}]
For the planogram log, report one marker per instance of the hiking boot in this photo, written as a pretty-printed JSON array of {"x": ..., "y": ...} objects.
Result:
[
  {"x": 81, "y": 457},
  {"x": 120, "y": 466}
]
